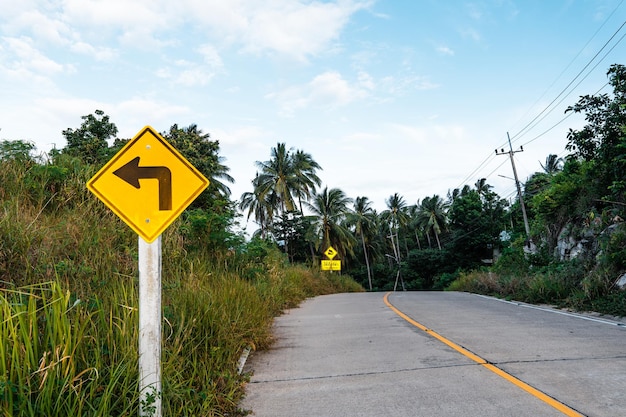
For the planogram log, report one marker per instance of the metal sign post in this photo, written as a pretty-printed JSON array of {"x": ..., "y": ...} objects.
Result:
[{"x": 150, "y": 328}]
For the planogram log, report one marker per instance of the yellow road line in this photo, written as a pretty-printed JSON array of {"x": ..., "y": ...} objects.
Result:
[{"x": 515, "y": 381}]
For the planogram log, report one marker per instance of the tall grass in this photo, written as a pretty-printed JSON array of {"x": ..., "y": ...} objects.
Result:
[
  {"x": 68, "y": 302},
  {"x": 569, "y": 284},
  {"x": 62, "y": 357}
]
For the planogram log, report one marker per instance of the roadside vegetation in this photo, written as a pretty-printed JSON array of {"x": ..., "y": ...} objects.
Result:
[
  {"x": 69, "y": 288},
  {"x": 68, "y": 265},
  {"x": 577, "y": 207}
]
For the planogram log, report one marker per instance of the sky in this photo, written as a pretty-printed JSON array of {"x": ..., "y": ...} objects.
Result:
[{"x": 388, "y": 96}]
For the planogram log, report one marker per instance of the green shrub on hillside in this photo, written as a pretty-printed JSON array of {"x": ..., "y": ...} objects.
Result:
[{"x": 68, "y": 297}]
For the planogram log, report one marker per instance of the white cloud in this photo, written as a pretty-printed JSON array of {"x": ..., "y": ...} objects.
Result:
[
  {"x": 444, "y": 50},
  {"x": 332, "y": 90},
  {"x": 127, "y": 14},
  {"x": 474, "y": 11},
  {"x": 22, "y": 60},
  {"x": 98, "y": 53},
  {"x": 328, "y": 90},
  {"x": 297, "y": 29},
  {"x": 210, "y": 55},
  {"x": 294, "y": 28},
  {"x": 193, "y": 76},
  {"x": 471, "y": 33},
  {"x": 366, "y": 80},
  {"x": 246, "y": 138},
  {"x": 39, "y": 25},
  {"x": 191, "y": 73},
  {"x": 398, "y": 85},
  {"x": 129, "y": 115},
  {"x": 133, "y": 113}
]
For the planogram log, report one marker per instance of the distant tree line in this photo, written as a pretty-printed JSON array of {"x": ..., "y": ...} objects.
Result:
[{"x": 423, "y": 244}]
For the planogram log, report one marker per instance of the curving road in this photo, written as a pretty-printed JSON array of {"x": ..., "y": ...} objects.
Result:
[{"x": 438, "y": 354}]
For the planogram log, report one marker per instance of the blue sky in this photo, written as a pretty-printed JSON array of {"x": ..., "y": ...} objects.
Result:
[{"x": 387, "y": 95}]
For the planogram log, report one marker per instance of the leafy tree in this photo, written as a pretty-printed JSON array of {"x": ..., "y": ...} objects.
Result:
[
  {"x": 475, "y": 226},
  {"x": 203, "y": 153},
  {"x": 17, "y": 150},
  {"x": 537, "y": 182},
  {"x": 90, "y": 141},
  {"x": 430, "y": 263},
  {"x": 292, "y": 229},
  {"x": 208, "y": 223},
  {"x": 602, "y": 141},
  {"x": 566, "y": 199}
]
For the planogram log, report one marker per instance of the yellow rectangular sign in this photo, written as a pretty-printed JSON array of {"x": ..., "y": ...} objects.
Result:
[{"x": 328, "y": 265}]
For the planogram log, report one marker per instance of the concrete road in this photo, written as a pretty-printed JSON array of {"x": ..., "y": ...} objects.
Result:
[{"x": 352, "y": 355}]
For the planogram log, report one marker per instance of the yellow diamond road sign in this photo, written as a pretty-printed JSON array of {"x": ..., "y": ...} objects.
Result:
[
  {"x": 330, "y": 252},
  {"x": 148, "y": 184}
]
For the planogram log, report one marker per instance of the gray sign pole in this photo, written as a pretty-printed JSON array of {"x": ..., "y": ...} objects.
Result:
[{"x": 150, "y": 328}]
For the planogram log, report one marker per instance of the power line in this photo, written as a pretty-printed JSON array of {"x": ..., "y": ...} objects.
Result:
[
  {"x": 538, "y": 118},
  {"x": 525, "y": 128},
  {"x": 574, "y": 59},
  {"x": 568, "y": 115}
]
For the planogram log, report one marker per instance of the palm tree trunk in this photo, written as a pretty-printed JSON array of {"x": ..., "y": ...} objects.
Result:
[
  {"x": 437, "y": 237},
  {"x": 367, "y": 262},
  {"x": 406, "y": 247},
  {"x": 417, "y": 238}
]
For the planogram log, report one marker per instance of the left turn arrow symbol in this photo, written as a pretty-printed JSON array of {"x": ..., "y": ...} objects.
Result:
[{"x": 131, "y": 172}]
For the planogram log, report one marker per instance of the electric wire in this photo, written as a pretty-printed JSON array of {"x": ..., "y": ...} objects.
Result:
[
  {"x": 568, "y": 115},
  {"x": 549, "y": 108},
  {"x": 573, "y": 59},
  {"x": 590, "y": 71},
  {"x": 527, "y": 126}
]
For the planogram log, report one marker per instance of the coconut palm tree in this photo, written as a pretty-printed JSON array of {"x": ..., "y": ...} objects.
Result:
[
  {"x": 261, "y": 208},
  {"x": 363, "y": 219},
  {"x": 483, "y": 188},
  {"x": 277, "y": 176},
  {"x": 305, "y": 167},
  {"x": 414, "y": 224},
  {"x": 553, "y": 164},
  {"x": 288, "y": 175},
  {"x": 329, "y": 209},
  {"x": 220, "y": 174},
  {"x": 396, "y": 217},
  {"x": 433, "y": 216}
]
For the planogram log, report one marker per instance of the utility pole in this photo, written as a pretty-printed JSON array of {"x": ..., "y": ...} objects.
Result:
[{"x": 519, "y": 189}]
